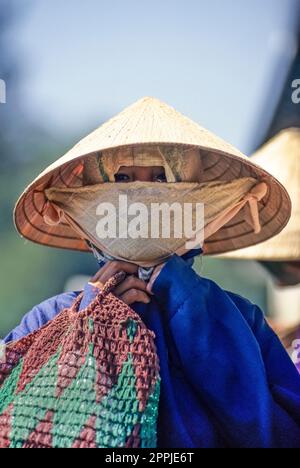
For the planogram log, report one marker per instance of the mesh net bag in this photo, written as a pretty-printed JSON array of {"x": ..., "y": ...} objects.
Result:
[{"x": 87, "y": 379}]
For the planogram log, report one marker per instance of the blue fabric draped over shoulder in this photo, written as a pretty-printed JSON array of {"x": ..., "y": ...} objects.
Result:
[{"x": 226, "y": 379}]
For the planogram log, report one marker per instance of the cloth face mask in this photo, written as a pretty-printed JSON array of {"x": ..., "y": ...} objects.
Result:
[{"x": 135, "y": 232}]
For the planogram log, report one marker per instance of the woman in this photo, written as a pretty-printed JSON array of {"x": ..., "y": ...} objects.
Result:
[{"x": 226, "y": 380}]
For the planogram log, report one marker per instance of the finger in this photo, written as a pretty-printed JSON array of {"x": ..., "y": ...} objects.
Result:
[
  {"x": 96, "y": 284},
  {"x": 113, "y": 267},
  {"x": 119, "y": 278},
  {"x": 131, "y": 282},
  {"x": 135, "y": 295},
  {"x": 100, "y": 272}
]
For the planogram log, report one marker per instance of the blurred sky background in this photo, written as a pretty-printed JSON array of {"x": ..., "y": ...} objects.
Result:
[
  {"x": 71, "y": 65},
  {"x": 213, "y": 60}
]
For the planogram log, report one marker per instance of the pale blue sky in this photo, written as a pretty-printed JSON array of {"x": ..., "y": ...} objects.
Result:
[{"x": 211, "y": 59}]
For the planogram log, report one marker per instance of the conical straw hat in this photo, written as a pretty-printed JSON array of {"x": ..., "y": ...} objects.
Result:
[
  {"x": 281, "y": 157},
  {"x": 151, "y": 121}
]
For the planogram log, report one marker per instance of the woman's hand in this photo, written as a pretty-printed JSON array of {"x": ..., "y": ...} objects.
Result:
[{"x": 131, "y": 290}]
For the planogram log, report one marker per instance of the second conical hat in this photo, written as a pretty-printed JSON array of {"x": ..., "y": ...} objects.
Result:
[
  {"x": 150, "y": 121},
  {"x": 281, "y": 157}
]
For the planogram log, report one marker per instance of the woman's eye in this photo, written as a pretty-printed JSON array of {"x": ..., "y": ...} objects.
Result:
[
  {"x": 160, "y": 178},
  {"x": 122, "y": 178}
]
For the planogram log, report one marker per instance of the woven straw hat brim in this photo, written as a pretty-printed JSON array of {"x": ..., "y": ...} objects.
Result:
[
  {"x": 150, "y": 121},
  {"x": 281, "y": 157}
]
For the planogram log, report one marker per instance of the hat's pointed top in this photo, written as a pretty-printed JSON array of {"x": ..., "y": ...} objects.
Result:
[
  {"x": 149, "y": 100},
  {"x": 149, "y": 120}
]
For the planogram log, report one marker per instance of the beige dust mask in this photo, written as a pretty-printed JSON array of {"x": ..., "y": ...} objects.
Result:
[{"x": 135, "y": 231}]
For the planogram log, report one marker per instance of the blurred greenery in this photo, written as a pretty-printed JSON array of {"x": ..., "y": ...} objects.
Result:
[{"x": 29, "y": 273}]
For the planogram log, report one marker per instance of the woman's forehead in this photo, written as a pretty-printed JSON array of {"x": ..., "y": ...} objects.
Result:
[
  {"x": 179, "y": 164},
  {"x": 142, "y": 168}
]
